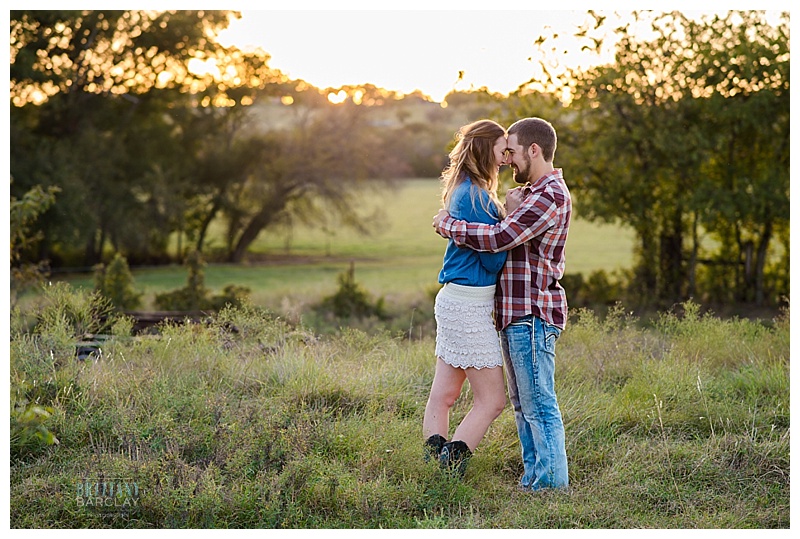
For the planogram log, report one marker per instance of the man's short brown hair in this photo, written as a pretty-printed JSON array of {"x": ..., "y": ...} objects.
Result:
[{"x": 536, "y": 130}]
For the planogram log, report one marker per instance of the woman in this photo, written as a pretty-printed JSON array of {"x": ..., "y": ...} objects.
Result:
[{"x": 467, "y": 344}]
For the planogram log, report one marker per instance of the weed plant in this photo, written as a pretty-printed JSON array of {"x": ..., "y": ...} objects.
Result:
[{"x": 249, "y": 421}]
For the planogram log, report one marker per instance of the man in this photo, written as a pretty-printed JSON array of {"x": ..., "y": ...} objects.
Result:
[{"x": 530, "y": 304}]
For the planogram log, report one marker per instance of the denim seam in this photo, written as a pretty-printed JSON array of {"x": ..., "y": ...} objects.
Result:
[{"x": 542, "y": 419}]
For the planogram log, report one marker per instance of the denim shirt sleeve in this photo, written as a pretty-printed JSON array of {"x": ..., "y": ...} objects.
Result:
[{"x": 467, "y": 211}]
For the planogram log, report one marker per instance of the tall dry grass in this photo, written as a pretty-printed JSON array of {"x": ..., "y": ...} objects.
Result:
[{"x": 248, "y": 421}]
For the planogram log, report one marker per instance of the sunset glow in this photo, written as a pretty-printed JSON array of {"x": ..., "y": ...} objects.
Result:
[
  {"x": 337, "y": 97},
  {"x": 200, "y": 67},
  {"x": 405, "y": 51},
  {"x": 434, "y": 52}
]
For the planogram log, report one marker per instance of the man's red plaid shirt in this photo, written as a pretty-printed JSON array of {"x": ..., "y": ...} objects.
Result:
[{"x": 535, "y": 236}]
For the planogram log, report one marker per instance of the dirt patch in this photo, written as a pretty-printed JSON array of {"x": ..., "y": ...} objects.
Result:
[{"x": 270, "y": 259}]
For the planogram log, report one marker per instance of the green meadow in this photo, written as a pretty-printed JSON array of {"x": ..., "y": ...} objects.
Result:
[
  {"x": 398, "y": 259},
  {"x": 253, "y": 419}
]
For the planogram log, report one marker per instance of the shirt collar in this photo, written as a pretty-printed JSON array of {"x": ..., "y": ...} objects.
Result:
[{"x": 528, "y": 188}]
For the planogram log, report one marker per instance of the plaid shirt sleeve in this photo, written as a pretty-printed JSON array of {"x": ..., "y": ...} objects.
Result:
[
  {"x": 536, "y": 214},
  {"x": 535, "y": 236}
]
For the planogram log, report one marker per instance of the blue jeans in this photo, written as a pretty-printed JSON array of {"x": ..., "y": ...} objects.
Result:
[{"x": 528, "y": 348}]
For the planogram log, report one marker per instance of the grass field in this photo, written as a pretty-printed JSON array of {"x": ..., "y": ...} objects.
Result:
[
  {"x": 248, "y": 422},
  {"x": 251, "y": 420},
  {"x": 399, "y": 260}
]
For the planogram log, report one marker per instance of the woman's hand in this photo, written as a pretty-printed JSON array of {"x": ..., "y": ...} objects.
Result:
[
  {"x": 437, "y": 219},
  {"x": 514, "y": 198}
]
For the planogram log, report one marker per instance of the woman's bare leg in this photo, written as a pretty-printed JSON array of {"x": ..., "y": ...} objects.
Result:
[
  {"x": 489, "y": 399},
  {"x": 446, "y": 388}
]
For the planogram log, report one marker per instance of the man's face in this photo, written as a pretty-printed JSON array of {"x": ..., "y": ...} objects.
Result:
[{"x": 518, "y": 158}]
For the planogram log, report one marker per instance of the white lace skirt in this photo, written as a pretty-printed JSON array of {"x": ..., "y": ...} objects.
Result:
[{"x": 465, "y": 332}]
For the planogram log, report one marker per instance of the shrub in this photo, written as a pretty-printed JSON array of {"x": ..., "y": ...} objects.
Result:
[
  {"x": 23, "y": 214},
  {"x": 115, "y": 282},
  {"x": 232, "y": 295},
  {"x": 351, "y": 300},
  {"x": 195, "y": 296},
  {"x": 28, "y": 430},
  {"x": 598, "y": 289},
  {"x": 72, "y": 313},
  {"x": 605, "y": 289}
]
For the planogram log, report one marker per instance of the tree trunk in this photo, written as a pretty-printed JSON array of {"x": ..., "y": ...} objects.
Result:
[
  {"x": 201, "y": 237},
  {"x": 740, "y": 293},
  {"x": 761, "y": 262},
  {"x": 249, "y": 235},
  {"x": 94, "y": 248},
  {"x": 646, "y": 274},
  {"x": 260, "y": 220},
  {"x": 692, "y": 269},
  {"x": 671, "y": 258}
]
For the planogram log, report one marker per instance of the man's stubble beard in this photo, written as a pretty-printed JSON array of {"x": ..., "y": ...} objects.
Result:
[{"x": 522, "y": 176}]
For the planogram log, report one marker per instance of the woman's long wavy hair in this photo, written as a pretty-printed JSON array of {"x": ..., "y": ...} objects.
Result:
[{"x": 473, "y": 157}]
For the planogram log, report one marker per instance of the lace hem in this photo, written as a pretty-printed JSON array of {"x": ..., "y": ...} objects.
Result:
[{"x": 465, "y": 332}]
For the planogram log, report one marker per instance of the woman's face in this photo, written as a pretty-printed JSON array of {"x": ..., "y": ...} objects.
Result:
[{"x": 500, "y": 151}]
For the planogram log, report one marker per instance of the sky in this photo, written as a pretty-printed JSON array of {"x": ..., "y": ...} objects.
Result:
[
  {"x": 422, "y": 48},
  {"x": 403, "y": 50}
]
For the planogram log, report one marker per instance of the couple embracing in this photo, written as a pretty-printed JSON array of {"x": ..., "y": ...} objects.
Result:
[{"x": 501, "y": 303}]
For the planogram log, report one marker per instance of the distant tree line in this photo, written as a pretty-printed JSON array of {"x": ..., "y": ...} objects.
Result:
[{"x": 685, "y": 138}]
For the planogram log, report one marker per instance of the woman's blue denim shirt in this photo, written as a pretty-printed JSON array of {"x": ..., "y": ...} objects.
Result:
[{"x": 462, "y": 265}]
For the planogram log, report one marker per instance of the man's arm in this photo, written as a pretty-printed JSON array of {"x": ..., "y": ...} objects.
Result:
[
  {"x": 535, "y": 215},
  {"x": 514, "y": 198}
]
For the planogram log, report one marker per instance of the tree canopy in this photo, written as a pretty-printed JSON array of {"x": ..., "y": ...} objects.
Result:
[
  {"x": 685, "y": 137},
  {"x": 140, "y": 119}
]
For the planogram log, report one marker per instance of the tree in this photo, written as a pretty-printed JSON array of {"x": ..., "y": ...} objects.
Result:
[
  {"x": 683, "y": 135},
  {"x": 141, "y": 119},
  {"x": 315, "y": 172},
  {"x": 108, "y": 106},
  {"x": 747, "y": 175},
  {"x": 223, "y": 161}
]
